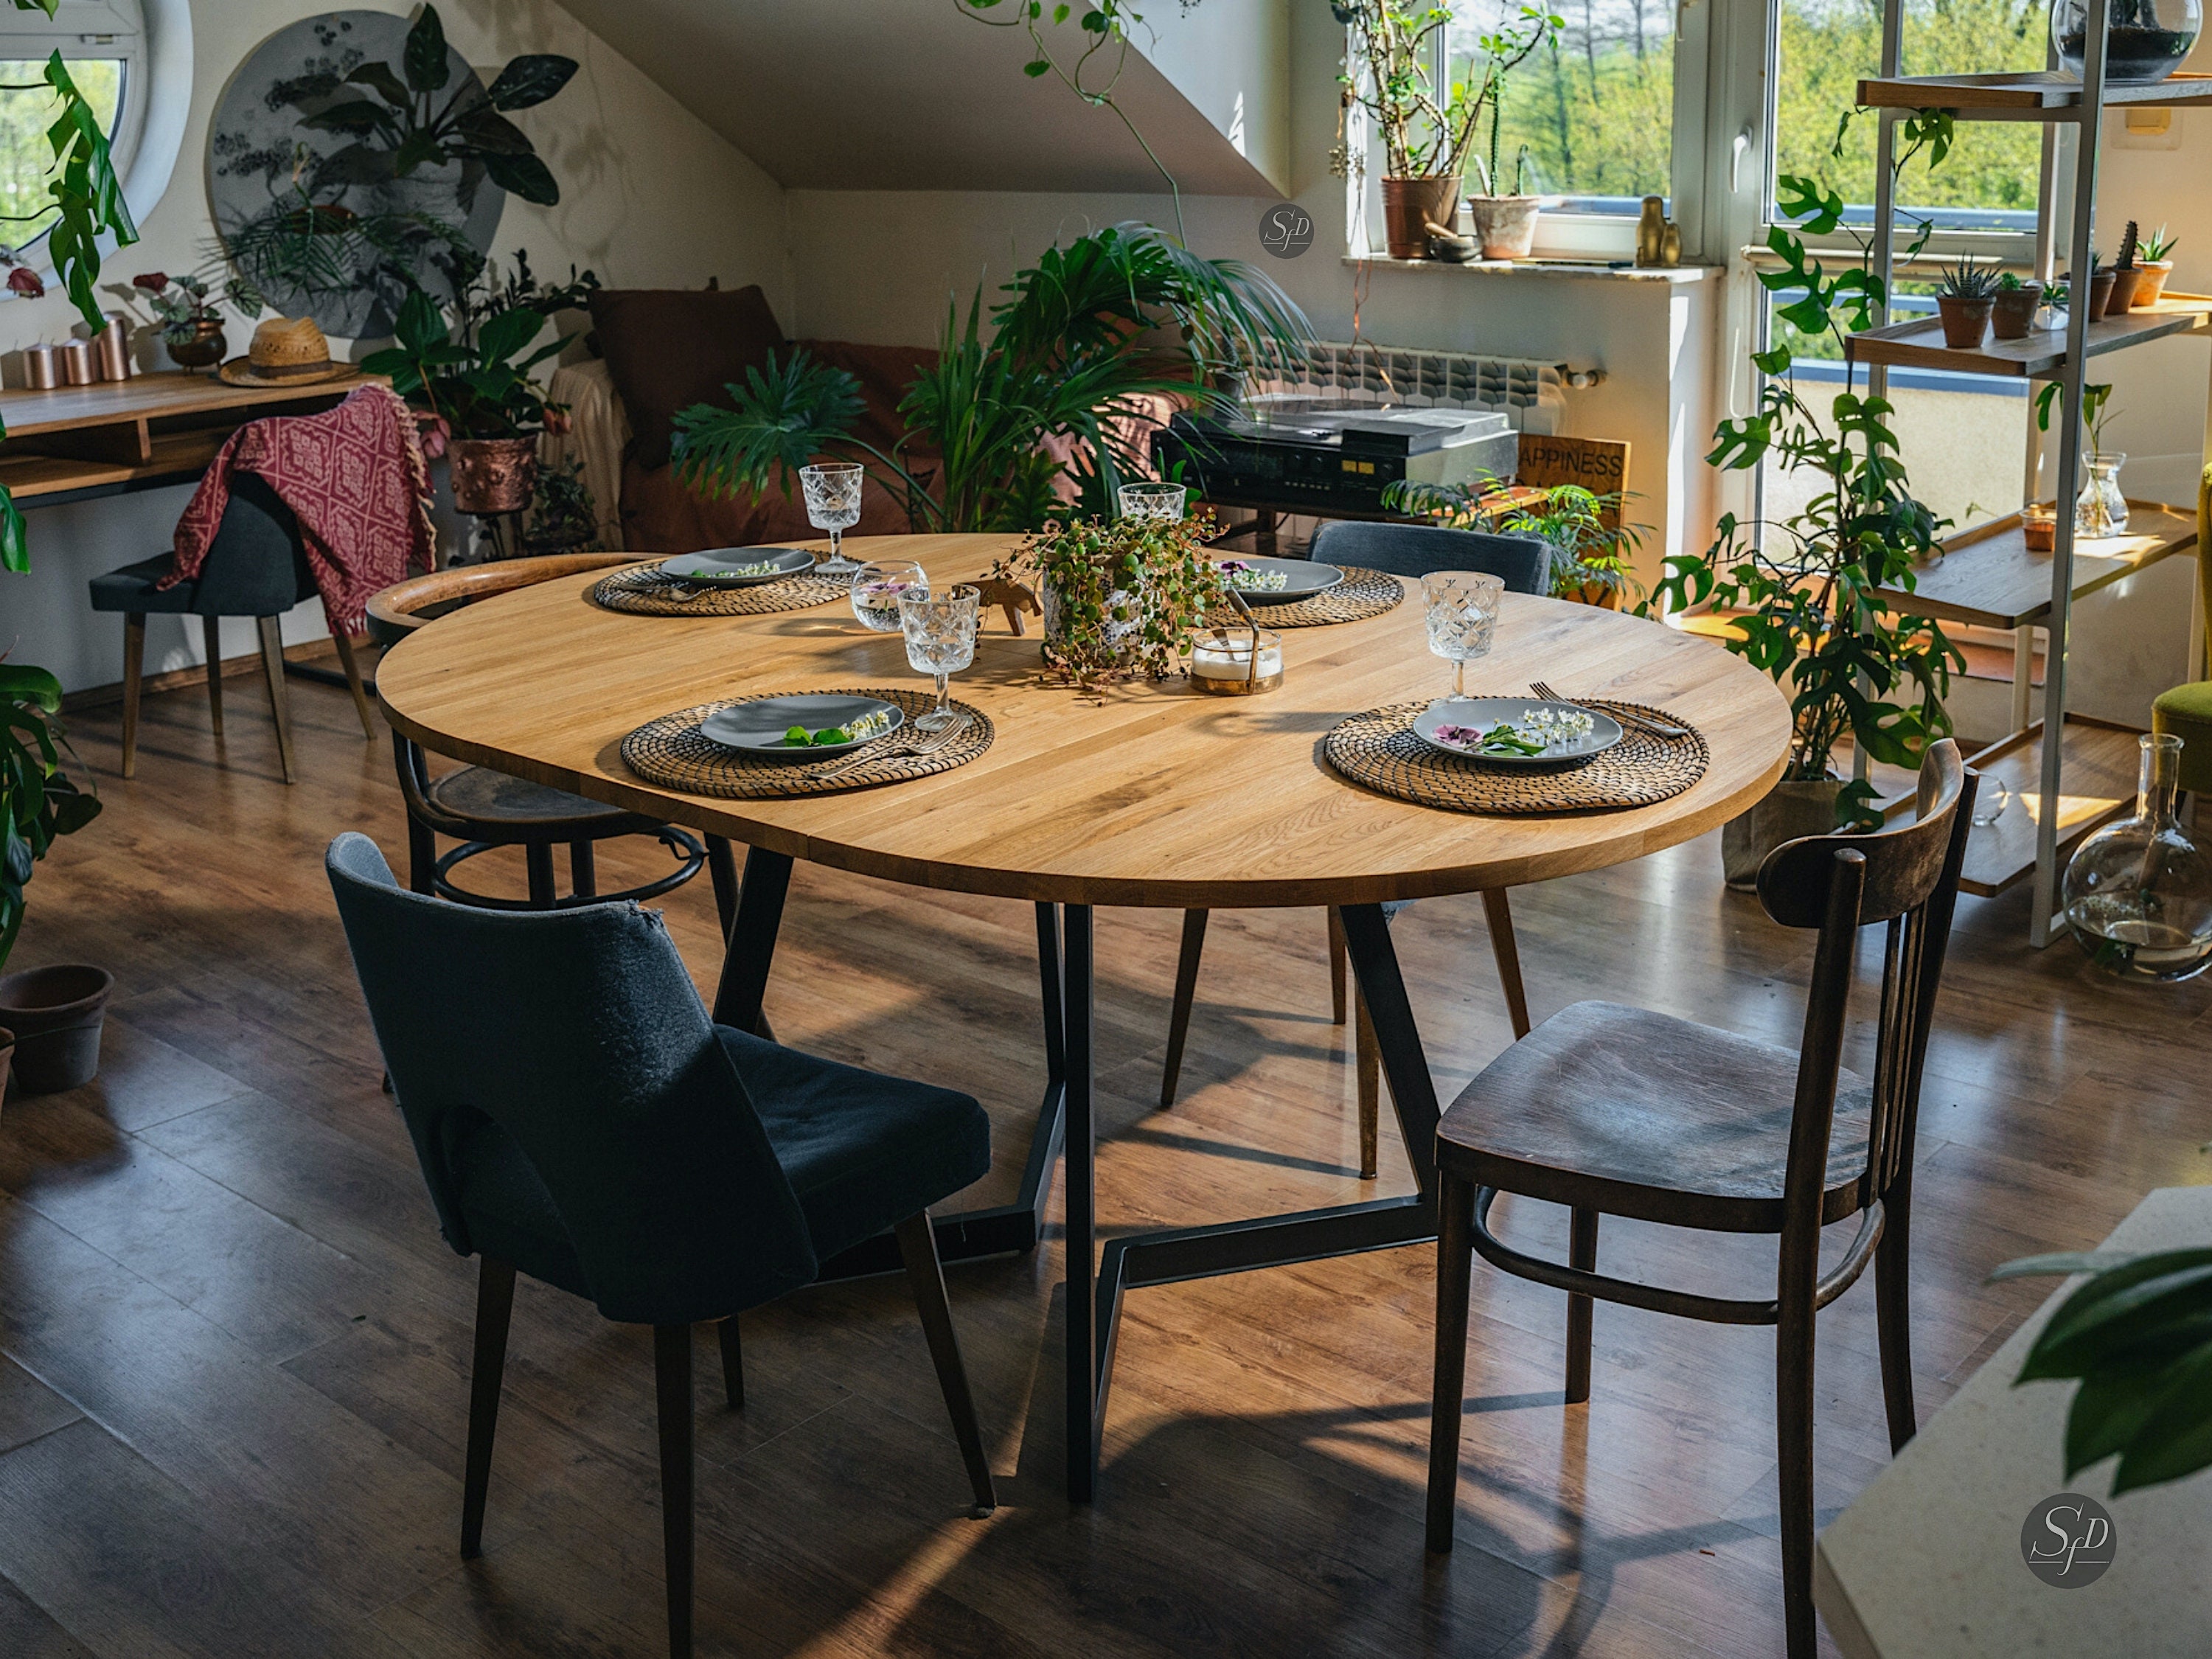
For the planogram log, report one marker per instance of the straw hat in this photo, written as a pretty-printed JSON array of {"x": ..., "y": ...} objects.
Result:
[{"x": 286, "y": 351}]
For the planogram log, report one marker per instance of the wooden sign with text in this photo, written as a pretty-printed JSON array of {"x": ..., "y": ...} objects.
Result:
[{"x": 1598, "y": 464}]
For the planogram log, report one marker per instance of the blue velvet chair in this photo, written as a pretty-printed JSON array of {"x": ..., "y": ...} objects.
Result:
[
  {"x": 578, "y": 1118},
  {"x": 1412, "y": 550},
  {"x": 256, "y": 567}
]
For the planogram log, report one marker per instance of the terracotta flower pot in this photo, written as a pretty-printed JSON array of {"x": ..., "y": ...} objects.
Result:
[
  {"x": 2100, "y": 292},
  {"x": 1793, "y": 809},
  {"x": 492, "y": 475},
  {"x": 2127, "y": 283},
  {"x": 56, "y": 1014},
  {"x": 204, "y": 349},
  {"x": 2153, "y": 285},
  {"x": 1409, "y": 205},
  {"x": 2012, "y": 313},
  {"x": 1504, "y": 225},
  {"x": 1965, "y": 321}
]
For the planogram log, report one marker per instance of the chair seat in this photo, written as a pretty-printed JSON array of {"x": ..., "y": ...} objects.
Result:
[
  {"x": 131, "y": 589},
  {"x": 504, "y": 804},
  {"x": 1639, "y": 1114},
  {"x": 2185, "y": 712},
  {"x": 862, "y": 1150}
]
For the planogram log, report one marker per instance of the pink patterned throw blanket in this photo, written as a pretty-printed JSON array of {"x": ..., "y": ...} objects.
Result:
[{"x": 354, "y": 477}]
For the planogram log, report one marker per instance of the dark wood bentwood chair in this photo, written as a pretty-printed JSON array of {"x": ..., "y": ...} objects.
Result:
[
  {"x": 1616, "y": 1110},
  {"x": 1524, "y": 562},
  {"x": 481, "y": 809},
  {"x": 580, "y": 1119},
  {"x": 257, "y": 566}
]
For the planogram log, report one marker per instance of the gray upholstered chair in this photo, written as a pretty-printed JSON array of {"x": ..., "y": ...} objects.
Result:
[
  {"x": 578, "y": 1118},
  {"x": 1524, "y": 562},
  {"x": 256, "y": 567}
]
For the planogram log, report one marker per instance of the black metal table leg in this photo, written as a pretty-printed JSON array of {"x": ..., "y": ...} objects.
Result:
[
  {"x": 1166, "y": 1257},
  {"x": 751, "y": 947}
]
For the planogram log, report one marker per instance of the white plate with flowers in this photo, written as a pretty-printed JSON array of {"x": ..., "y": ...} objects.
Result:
[
  {"x": 1278, "y": 582},
  {"x": 1517, "y": 731},
  {"x": 737, "y": 566}
]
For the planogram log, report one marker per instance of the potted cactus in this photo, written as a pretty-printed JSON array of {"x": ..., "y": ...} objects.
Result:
[
  {"x": 1965, "y": 298},
  {"x": 2127, "y": 275}
]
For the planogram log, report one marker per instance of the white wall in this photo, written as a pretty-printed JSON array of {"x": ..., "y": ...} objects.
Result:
[
  {"x": 1231, "y": 59},
  {"x": 650, "y": 197}
]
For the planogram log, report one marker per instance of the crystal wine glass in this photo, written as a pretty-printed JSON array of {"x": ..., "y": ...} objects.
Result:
[
  {"x": 1462, "y": 615},
  {"x": 833, "y": 503},
  {"x": 940, "y": 639},
  {"x": 878, "y": 588},
  {"x": 1160, "y": 501}
]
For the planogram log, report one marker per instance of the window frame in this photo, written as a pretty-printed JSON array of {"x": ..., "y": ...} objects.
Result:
[{"x": 74, "y": 31}]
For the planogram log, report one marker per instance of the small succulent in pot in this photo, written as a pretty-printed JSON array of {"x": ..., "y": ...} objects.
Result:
[
  {"x": 1965, "y": 300},
  {"x": 2013, "y": 306},
  {"x": 2157, "y": 261}
]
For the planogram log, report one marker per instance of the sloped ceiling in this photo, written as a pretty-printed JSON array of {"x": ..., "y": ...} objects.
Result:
[{"x": 910, "y": 95}]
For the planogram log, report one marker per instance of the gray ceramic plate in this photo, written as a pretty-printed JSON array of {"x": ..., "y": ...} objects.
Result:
[
  {"x": 1483, "y": 713},
  {"x": 715, "y": 567},
  {"x": 1302, "y": 579},
  {"x": 757, "y": 727}
]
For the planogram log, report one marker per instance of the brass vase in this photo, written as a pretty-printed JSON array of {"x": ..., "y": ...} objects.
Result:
[
  {"x": 204, "y": 349},
  {"x": 492, "y": 475}
]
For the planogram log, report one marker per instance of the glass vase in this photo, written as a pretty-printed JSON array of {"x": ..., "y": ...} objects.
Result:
[
  {"x": 2138, "y": 893},
  {"x": 2101, "y": 510},
  {"x": 2145, "y": 40}
]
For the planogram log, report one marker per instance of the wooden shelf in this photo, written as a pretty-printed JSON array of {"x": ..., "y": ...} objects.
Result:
[
  {"x": 1918, "y": 343},
  {"x": 163, "y": 395},
  {"x": 2101, "y": 763},
  {"x": 1987, "y": 577},
  {"x": 173, "y": 456},
  {"x": 2019, "y": 95}
]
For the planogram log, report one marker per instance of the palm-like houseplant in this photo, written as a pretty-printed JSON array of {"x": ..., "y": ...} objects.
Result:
[
  {"x": 1427, "y": 131},
  {"x": 1801, "y": 597},
  {"x": 1593, "y": 546},
  {"x": 1092, "y": 334}
]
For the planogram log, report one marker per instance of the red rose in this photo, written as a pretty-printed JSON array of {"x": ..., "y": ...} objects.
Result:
[
  {"x": 26, "y": 282},
  {"x": 153, "y": 282},
  {"x": 433, "y": 431}
]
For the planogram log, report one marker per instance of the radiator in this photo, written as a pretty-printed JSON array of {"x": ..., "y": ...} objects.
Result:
[{"x": 1530, "y": 394}]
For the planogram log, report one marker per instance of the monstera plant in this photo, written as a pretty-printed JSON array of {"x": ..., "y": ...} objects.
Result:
[{"x": 38, "y": 800}]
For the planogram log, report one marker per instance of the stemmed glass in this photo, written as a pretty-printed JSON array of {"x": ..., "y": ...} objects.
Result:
[
  {"x": 833, "y": 503},
  {"x": 878, "y": 588},
  {"x": 1462, "y": 615},
  {"x": 1160, "y": 501},
  {"x": 940, "y": 639}
]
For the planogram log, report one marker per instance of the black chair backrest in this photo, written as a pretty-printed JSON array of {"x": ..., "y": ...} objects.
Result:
[
  {"x": 257, "y": 566},
  {"x": 1415, "y": 550},
  {"x": 1907, "y": 877},
  {"x": 578, "y": 1032}
]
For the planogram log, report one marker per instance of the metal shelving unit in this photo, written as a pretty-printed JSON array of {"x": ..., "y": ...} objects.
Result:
[{"x": 1991, "y": 585}]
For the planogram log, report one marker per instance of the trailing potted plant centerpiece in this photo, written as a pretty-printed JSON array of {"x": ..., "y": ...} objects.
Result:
[
  {"x": 1801, "y": 595},
  {"x": 2012, "y": 307},
  {"x": 52, "y": 1016},
  {"x": 1965, "y": 300},
  {"x": 1425, "y": 135},
  {"x": 472, "y": 376},
  {"x": 1121, "y": 600},
  {"x": 2156, "y": 263}
]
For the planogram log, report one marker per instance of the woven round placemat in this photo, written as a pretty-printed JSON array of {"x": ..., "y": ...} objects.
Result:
[
  {"x": 1378, "y": 749},
  {"x": 1361, "y": 594},
  {"x": 672, "y": 752},
  {"x": 625, "y": 590}
]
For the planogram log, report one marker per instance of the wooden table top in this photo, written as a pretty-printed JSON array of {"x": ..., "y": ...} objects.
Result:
[{"x": 1151, "y": 795}]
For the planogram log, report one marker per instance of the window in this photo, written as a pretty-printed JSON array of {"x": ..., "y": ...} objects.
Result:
[
  {"x": 102, "y": 41},
  {"x": 1592, "y": 111}
]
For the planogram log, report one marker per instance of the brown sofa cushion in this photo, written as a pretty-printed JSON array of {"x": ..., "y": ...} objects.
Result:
[
  {"x": 667, "y": 349},
  {"x": 659, "y": 515}
]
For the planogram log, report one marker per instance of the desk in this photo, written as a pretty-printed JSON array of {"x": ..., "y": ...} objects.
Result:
[
  {"x": 1151, "y": 794},
  {"x": 76, "y": 442}
]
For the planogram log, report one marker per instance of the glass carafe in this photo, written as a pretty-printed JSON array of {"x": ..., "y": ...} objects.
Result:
[
  {"x": 2145, "y": 40},
  {"x": 2138, "y": 894},
  {"x": 2101, "y": 510}
]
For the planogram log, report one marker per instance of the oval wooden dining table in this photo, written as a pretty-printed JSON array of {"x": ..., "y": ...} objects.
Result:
[{"x": 1147, "y": 795}]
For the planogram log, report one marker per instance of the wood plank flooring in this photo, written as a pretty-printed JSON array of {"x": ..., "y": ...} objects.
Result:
[{"x": 234, "y": 1349}]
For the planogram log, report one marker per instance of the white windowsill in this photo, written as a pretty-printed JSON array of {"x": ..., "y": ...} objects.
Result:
[{"x": 1542, "y": 266}]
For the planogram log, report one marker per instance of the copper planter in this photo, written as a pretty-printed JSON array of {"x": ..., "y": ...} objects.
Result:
[
  {"x": 204, "y": 349},
  {"x": 492, "y": 475},
  {"x": 1409, "y": 206}
]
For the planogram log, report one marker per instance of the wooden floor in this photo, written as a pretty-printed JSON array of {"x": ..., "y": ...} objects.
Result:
[{"x": 235, "y": 1350}]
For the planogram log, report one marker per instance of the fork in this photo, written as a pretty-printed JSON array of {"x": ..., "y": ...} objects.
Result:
[
  {"x": 927, "y": 743},
  {"x": 1657, "y": 728}
]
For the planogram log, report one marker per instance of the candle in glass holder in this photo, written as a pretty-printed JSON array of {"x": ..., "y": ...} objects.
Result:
[{"x": 1221, "y": 662}]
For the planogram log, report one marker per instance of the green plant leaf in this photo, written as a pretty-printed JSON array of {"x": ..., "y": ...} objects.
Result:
[
  {"x": 484, "y": 130},
  {"x": 419, "y": 325},
  {"x": 424, "y": 59},
  {"x": 2173, "y": 1438},
  {"x": 531, "y": 79},
  {"x": 380, "y": 79},
  {"x": 1038, "y": 66},
  {"x": 419, "y": 149},
  {"x": 503, "y": 335},
  {"x": 524, "y": 176},
  {"x": 356, "y": 116}
]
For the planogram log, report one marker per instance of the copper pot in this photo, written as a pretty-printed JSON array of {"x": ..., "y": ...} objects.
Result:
[
  {"x": 204, "y": 349},
  {"x": 1410, "y": 205},
  {"x": 492, "y": 475}
]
